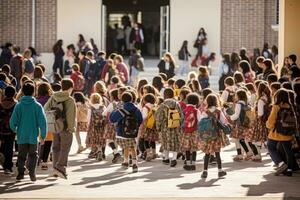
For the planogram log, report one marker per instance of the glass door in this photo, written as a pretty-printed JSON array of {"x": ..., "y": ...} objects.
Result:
[{"x": 164, "y": 30}]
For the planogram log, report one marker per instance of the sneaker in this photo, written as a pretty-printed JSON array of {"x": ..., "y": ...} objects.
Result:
[
  {"x": 130, "y": 162},
  {"x": 149, "y": 158},
  {"x": 8, "y": 171},
  {"x": 61, "y": 174},
  {"x": 238, "y": 158},
  {"x": 187, "y": 167},
  {"x": 204, "y": 174},
  {"x": 222, "y": 174},
  {"x": 44, "y": 166},
  {"x": 154, "y": 156},
  {"x": 54, "y": 174},
  {"x": 99, "y": 156},
  {"x": 281, "y": 169},
  {"x": 125, "y": 165},
  {"x": 173, "y": 163},
  {"x": 20, "y": 177},
  {"x": 135, "y": 168},
  {"x": 116, "y": 158},
  {"x": 166, "y": 161},
  {"x": 288, "y": 173},
  {"x": 256, "y": 158},
  {"x": 92, "y": 154},
  {"x": 32, "y": 177},
  {"x": 248, "y": 156},
  {"x": 193, "y": 167},
  {"x": 103, "y": 156},
  {"x": 80, "y": 149}
]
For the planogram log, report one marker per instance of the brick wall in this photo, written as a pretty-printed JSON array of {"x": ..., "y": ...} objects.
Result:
[
  {"x": 16, "y": 23},
  {"x": 45, "y": 25},
  {"x": 247, "y": 23}
]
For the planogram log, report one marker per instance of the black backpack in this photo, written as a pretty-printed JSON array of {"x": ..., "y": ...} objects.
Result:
[
  {"x": 92, "y": 70},
  {"x": 286, "y": 123},
  {"x": 129, "y": 124},
  {"x": 5, "y": 115}
]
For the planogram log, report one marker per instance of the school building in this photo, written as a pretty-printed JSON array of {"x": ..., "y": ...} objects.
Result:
[{"x": 230, "y": 24}]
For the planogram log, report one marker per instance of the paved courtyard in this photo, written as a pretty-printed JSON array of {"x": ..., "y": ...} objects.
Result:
[{"x": 91, "y": 179}]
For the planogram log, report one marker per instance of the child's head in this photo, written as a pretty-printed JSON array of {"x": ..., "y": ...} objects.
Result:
[
  {"x": 275, "y": 87},
  {"x": 264, "y": 90},
  {"x": 115, "y": 80},
  {"x": 281, "y": 97},
  {"x": 196, "y": 87},
  {"x": 203, "y": 72},
  {"x": 6, "y": 69},
  {"x": 163, "y": 76},
  {"x": 238, "y": 77},
  {"x": 141, "y": 83},
  {"x": 44, "y": 89},
  {"x": 256, "y": 83},
  {"x": 157, "y": 82},
  {"x": 241, "y": 95},
  {"x": 56, "y": 87},
  {"x": 121, "y": 90},
  {"x": 67, "y": 85},
  {"x": 193, "y": 99},
  {"x": 113, "y": 94},
  {"x": 28, "y": 88},
  {"x": 259, "y": 61},
  {"x": 100, "y": 87},
  {"x": 148, "y": 89},
  {"x": 9, "y": 92},
  {"x": 79, "y": 97},
  {"x": 272, "y": 78},
  {"x": 245, "y": 66},
  {"x": 229, "y": 81},
  {"x": 95, "y": 98},
  {"x": 38, "y": 72},
  {"x": 179, "y": 83},
  {"x": 212, "y": 100},
  {"x": 183, "y": 94},
  {"x": 149, "y": 98},
  {"x": 206, "y": 92},
  {"x": 133, "y": 93},
  {"x": 171, "y": 83},
  {"x": 168, "y": 93},
  {"x": 287, "y": 85},
  {"x": 250, "y": 87},
  {"x": 75, "y": 67},
  {"x": 126, "y": 97},
  {"x": 192, "y": 75}
]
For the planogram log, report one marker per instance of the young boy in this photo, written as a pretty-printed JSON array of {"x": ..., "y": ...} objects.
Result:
[
  {"x": 126, "y": 130},
  {"x": 7, "y": 136},
  {"x": 28, "y": 120},
  {"x": 168, "y": 118},
  {"x": 62, "y": 141}
]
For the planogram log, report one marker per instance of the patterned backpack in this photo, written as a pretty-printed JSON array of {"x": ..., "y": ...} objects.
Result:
[{"x": 97, "y": 119}]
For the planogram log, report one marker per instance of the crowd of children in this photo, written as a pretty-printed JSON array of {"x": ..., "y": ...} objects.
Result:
[{"x": 254, "y": 109}]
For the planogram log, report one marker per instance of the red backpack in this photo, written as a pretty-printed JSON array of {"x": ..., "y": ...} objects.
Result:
[
  {"x": 190, "y": 119},
  {"x": 79, "y": 83}
]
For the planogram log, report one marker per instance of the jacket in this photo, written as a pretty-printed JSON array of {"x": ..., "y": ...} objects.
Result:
[
  {"x": 16, "y": 66},
  {"x": 169, "y": 72},
  {"x": 28, "y": 120},
  {"x": 69, "y": 108},
  {"x": 116, "y": 116},
  {"x": 6, "y": 108},
  {"x": 273, "y": 134}
]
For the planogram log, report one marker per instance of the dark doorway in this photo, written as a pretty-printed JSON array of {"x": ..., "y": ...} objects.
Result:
[{"x": 120, "y": 16}]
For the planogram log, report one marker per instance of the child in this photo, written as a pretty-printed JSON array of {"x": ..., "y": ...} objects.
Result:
[
  {"x": 203, "y": 77},
  {"x": 7, "y": 136},
  {"x": 228, "y": 94},
  {"x": 189, "y": 140},
  {"x": 110, "y": 133},
  {"x": 212, "y": 145},
  {"x": 239, "y": 131},
  {"x": 77, "y": 78},
  {"x": 239, "y": 79},
  {"x": 169, "y": 126},
  {"x": 128, "y": 119},
  {"x": 150, "y": 134},
  {"x": 252, "y": 94},
  {"x": 179, "y": 83},
  {"x": 96, "y": 124},
  {"x": 28, "y": 118},
  {"x": 275, "y": 87},
  {"x": 81, "y": 116},
  {"x": 182, "y": 97},
  {"x": 114, "y": 83}
]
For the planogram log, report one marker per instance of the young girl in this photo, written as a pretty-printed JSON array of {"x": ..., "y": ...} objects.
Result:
[
  {"x": 203, "y": 77},
  {"x": 167, "y": 65},
  {"x": 212, "y": 146},
  {"x": 247, "y": 72},
  {"x": 96, "y": 124},
  {"x": 82, "y": 106},
  {"x": 182, "y": 97},
  {"x": 252, "y": 94},
  {"x": 239, "y": 131},
  {"x": 189, "y": 140},
  {"x": 150, "y": 134},
  {"x": 110, "y": 133}
]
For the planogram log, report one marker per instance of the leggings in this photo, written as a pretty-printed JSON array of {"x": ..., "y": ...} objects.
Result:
[{"x": 218, "y": 158}]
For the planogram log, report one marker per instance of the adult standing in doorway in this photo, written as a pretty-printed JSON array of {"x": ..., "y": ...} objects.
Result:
[
  {"x": 120, "y": 38},
  {"x": 81, "y": 42},
  {"x": 183, "y": 56},
  {"x": 58, "y": 57},
  {"x": 137, "y": 36}
]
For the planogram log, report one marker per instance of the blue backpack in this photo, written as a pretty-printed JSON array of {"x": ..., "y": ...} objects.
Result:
[{"x": 208, "y": 128}]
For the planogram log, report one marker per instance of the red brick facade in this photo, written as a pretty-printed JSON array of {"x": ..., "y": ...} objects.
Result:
[
  {"x": 247, "y": 23},
  {"x": 16, "y": 23}
]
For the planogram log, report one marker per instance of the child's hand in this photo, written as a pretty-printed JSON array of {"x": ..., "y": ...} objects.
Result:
[{"x": 42, "y": 142}]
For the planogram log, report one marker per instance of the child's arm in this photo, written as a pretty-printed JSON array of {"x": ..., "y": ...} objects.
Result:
[
  {"x": 14, "y": 119},
  {"x": 224, "y": 96},
  {"x": 272, "y": 117},
  {"x": 115, "y": 116},
  {"x": 237, "y": 112},
  {"x": 42, "y": 122},
  {"x": 260, "y": 108}
]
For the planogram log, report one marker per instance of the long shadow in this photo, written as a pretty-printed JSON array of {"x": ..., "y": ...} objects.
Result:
[
  {"x": 15, "y": 187},
  {"x": 199, "y": 184},
  {"x": 289, "y": 186}
]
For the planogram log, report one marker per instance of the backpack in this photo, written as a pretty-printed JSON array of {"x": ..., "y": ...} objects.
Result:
[
  {"x": 97, "y": 119},
  {"x": 129, "y": 124},
  {"x": 190, "y": 119},
  {"x": 208, "y": 127},
  {"x": 150, "y": 120},
  {"x": 247, "y": 116},
  {"x": 173, "y": 117},
  {"x": 79, "y": 83},
  {"x": 286, "y": 123},
  {"x": 82, "y": 112},
  {"x": 92, "y": 70},
  {"x": 56, "y": 118},
  {"x": 5, "y": 115}
]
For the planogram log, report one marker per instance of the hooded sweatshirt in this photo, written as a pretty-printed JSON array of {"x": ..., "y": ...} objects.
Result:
[
  {"x": 28, "y": 120},
  {"x": 69, "y": 108},
  {"x": 6, "y": 108}
]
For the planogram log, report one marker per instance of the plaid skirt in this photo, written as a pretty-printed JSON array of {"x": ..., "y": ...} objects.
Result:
[
  {"x": 142, "y": 131},
  {"x": 151, "y": 135},
  {"x": 189, "y": 142},
  {"x": 126, "y": 143},
  {"x": 110, "y": 132},
  {"x": 259, "y": 132},
  {"x": 95, "y": 137},
  {"x": 239, "y": 132},
  {"x": 82, "y": 126},
  {"x": 211, "y": 146},
  {"x": 170, "y": 139}
]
